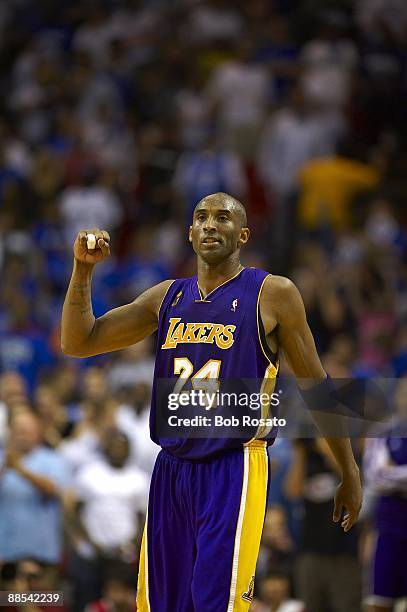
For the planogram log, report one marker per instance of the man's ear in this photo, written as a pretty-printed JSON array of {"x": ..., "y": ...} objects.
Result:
[
  {"x": 244, "y": 236},
  {"x": 190, "y": 233}
]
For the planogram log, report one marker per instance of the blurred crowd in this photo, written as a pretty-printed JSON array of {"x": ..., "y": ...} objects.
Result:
[{"x": 122, "y": 114}]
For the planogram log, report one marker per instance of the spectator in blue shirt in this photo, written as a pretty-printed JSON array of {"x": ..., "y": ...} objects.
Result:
[{"x": 32, "y": 479}]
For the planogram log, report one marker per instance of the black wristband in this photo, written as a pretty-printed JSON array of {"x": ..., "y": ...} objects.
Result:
[{"x": 322, "y": 396}]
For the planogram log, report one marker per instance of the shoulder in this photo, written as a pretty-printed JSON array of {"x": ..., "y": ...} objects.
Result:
[
  {"x": 153, "y": 297},
  {"x": 162, "y": 288},
  {"x": 46, "y": 455},
  {"x": 281, "y": 297},
  {"x": 56, "y": 458},
  {"x": 276, "y": 287},
  {"x": 52, "y": 463}
]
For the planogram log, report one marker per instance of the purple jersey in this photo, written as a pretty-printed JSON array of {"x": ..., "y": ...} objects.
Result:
[
  {"x": 221, "y": 335},
  {"x": 385, "y": 466}
]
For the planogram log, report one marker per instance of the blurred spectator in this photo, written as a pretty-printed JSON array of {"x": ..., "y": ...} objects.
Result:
[
  {"x": 328, "y": 62},
  {"x": 280, "y": 459},
  {"x": 16, "y": 154},
  {"x": 240, "y": 92},
  {"x": 328, "y": 313},
  {"x": 277, "y": 547},
  {"x": 52, "y": 415},
  {"x": 89, "y": 205},
  {"x": 83, "y": 445},
  {"x": 329, "y": 186},
  {"x": 213, "y": 20},
  {"x": 279, "y": 51},
  {"x": 327, "y": 564},
  {"x": 32, "y": 480},
  {"x": 26, "y": 576},
  {"x": 207, "y": 170},
  {"x": 13, "y": 393},
  {"x": 383, "y": 19},
  {"x": 119, "y": 591},
  {"x": 193, "y": 110},
  {"x": 23, "y": 346},
  {"x": 372, "y": 303},
  {"x": 94, "y": 415},
  {"x": 106, "y": 523},
  {"x": 158, "y": 154},
  {"x": 94, "y": 34},
  {"x": 274, "y": 595},
  {"x": 294, "y": 135},
  {"x": 130, "y": 379},
  {"x": 134, "y": 365},
  {"x": 384, "y": 231}
]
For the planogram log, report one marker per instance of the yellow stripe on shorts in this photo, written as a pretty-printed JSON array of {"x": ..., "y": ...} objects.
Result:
[
  {"x": 143, "y": 603},
  {"x": 249, "y": 526}
]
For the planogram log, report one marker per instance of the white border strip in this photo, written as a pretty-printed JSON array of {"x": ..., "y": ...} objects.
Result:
[{"x": 235, "y": 565}]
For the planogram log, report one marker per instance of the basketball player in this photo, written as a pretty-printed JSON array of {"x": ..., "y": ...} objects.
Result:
[
  {"x": 385, "y": 467},
  {"x": 207, "y": 496}
]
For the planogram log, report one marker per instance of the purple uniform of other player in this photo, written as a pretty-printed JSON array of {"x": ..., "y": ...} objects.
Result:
[
  {"x": 386, "y": 475},
  {"x": 207, "y": 496}
]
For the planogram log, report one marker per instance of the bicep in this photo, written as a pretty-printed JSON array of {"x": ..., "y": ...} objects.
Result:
[
  {"x": 295, "y": 337},
  {"x": 128, "y": 324},
  {"x": 300, "y": 351}
]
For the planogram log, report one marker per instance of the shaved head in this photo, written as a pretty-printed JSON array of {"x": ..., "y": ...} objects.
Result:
[{"x": 228, "y": 202}]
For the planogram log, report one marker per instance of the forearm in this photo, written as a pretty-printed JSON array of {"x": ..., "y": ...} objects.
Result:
[
  {"x": 341, "y": 449},
  {"x": 326, "y": 410},
  {"x": 44, "y": 485},
  {"x": 77, "y": 314}
]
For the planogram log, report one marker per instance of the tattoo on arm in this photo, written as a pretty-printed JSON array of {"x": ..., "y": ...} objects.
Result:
[{"x": 81, "y": 297}]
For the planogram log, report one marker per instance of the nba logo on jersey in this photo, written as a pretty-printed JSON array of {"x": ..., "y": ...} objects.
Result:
[
  {"x": 248, "y": 595},
  {"x": 235, "y": 304}
]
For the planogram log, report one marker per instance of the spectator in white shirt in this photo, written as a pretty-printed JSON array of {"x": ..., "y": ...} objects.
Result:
[
  {"x": 294, "y": 135},
  {"x": 88, "y": 205},
  {"x": 213, "y": 20},
  {"x": 106, "y": 522},
  {"x": 193, "y": 108},
  {"x": 329, "y": 62},
  {"x": 240, "y": 92}
]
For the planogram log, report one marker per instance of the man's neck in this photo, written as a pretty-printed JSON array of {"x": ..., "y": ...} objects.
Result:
[{"x": 211, "y": 276}]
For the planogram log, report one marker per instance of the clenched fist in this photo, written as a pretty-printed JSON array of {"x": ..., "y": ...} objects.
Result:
[{"x": 92, "y": 256}]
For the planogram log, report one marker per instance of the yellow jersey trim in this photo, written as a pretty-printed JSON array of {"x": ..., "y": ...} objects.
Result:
[{"x": 166, "y": 291}]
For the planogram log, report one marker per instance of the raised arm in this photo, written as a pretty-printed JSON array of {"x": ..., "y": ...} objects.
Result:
[
  {"x": 282, "y": 310},
  {"x": 82, "y": 335}
]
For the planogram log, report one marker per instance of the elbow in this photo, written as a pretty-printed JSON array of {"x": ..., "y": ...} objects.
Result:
[
  {"x": 79, "y": 347},
  {"x": 71, "y": 351}
]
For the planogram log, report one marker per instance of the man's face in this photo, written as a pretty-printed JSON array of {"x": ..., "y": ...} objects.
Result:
[
  {"x": 216, "y": 231},
  {"x": 117, "y": 449},
  {"x": 24, "y": 432},
  {"x": 274, "y": 590}
]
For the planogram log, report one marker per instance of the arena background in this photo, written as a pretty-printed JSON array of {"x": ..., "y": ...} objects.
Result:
[{"x": 122, "y": 114}]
